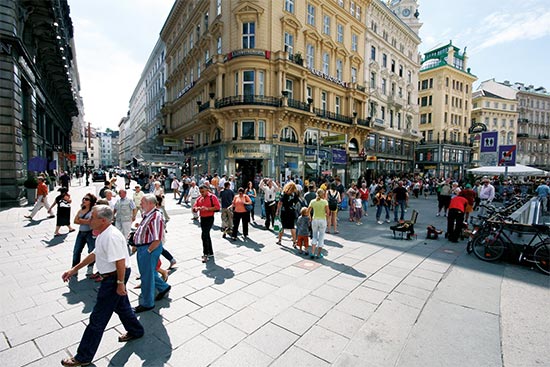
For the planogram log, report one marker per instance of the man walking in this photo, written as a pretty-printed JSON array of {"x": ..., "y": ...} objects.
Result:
[
  {"x": 227, "y": 213},
  {"x": 401, "y": 196},
  {"x": 125, "y": 213},
  {"x": 112, "y": 261},
  {"x": 270, "y": 190},
  {"x": 41, "y": 200}
]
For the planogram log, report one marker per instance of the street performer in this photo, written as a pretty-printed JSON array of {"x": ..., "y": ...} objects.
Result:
[{"x": 113, "y": 263}]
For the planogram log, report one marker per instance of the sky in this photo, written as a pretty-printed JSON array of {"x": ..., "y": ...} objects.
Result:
[{"x": 505, "y": 40}]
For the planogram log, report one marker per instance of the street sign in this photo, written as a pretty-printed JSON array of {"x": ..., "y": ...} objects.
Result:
[
  {"x": 334, "y": 139},
  {"x": 489, "y": 142},
  {"x": 507, "y": 155},
  {"x": 488, "y": 159}
]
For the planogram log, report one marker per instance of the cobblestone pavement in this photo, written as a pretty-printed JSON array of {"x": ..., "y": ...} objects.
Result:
[{"x": 372, "y": 301}]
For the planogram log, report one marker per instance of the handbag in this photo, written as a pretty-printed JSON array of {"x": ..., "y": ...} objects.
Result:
[
  {"x": 277, "y": 224},
  {"x": 248, "y": 207}
]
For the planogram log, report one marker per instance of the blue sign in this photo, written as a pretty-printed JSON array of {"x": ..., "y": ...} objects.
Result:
[
  {"x": 339, "y": 156},
  {"x": 489, "y": 142},
  {"x": 507, "y": 155}
]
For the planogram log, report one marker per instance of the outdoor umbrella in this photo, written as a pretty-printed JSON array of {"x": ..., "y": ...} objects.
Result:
[{"x": 517, "y": 170}]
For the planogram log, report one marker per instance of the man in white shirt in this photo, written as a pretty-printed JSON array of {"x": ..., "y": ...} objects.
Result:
[
  {"x": 270, "y": 190},
  {"x": 486, "y": 195},
  {"x": 113, "y": 263},
  {"x": 125, "y": 213}
]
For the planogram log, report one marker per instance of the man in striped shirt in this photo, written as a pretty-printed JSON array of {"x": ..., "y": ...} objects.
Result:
[{"x": 148, "y": 239}]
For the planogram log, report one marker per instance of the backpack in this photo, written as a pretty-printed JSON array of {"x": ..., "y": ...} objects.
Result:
[{"x": 332, "y": 202}]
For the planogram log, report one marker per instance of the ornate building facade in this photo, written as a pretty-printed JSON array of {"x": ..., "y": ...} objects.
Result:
[
  {"x": 39, "y": 99},
  {"x": 277, "y": 88},
  {"x": 445, "y": 97}
]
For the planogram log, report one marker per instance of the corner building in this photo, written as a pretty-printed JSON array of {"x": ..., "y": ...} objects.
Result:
[{"x": 271, "y": 87}]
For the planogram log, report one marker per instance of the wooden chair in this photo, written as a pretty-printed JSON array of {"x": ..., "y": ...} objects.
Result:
[{"x": 406, "y": 226}]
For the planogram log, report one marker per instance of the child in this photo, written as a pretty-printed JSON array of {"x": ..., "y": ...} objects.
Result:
[
  {"x": 302, "y": 231},
  {"x": 357, "y": 208}
]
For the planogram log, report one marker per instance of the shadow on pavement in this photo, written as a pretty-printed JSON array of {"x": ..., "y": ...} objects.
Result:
[
  {"x": 82, "y": 291},
  {"x": 216, "y": 272},
  {"x": 248, "y": 243},
  {"x": 57, "y": 240}
]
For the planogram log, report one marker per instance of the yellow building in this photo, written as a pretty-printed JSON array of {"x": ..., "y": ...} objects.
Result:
[
  {"x": 445, "y": 92},
  {"x": 271, "y": 87},
  {"x": 497, "y": 114}
]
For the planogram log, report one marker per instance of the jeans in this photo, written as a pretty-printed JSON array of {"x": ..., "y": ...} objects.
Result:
[
  {"x": 379, "y": 211},
  {"x": 401, "y": 205},
  {"x": 262, "y": 205},
  {"x": 270, "y": 213},
  {"x": 365, "y": 204},
  {"x": 150, "y": 279},
  {"x": 318, "y": 227},
  {"x": 108, "y": 301},
  {"x": 82, "y": 238},
  {"x": 206, "y": 226},
  {"x": 245, "y": 216}
]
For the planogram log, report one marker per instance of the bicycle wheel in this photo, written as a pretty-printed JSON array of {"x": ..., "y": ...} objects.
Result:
[
  {"x": 488, "y": 248},
  {"x": 481, "y": 233},
  {"x": 541, "y": 257}
]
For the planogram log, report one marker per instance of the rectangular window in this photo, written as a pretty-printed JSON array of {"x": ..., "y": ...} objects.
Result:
[
  {"x": 249, "y": 36},
  {"x": 289, "y": 86},
  {"x": 289, "y": 43},
  {"x": 353, "y": 75},
  {"x": 310, "y": 15},
  {"x": 340, "y": 33},
  {"x": 248, "y": 130},
  {"x": 384, "y": 60},
  {"x": 219, "y": 46},
  {"x": 326, "y": 65},
  {"x": 218, "y": 7},
  {"x": 424, "y": 84},
  {"x": 383, "y": 112},
  {"x": 326, "y": 24},
  {"x": 358, "y": 12},
  {"x": 384, "y": 86},
  {"x": 392, "y": 66},
  {"x": 373, "y": 53},
  {"x": 324, "y": 101},
  {"x": 352, "y": 8},
  {"x": 400, "y": 71},
  {"x": 339, "y": 71},
  {"x": 261, "y": 83},
  {"x": 372, "y": 80},
  {"x": 354, "y": 42},
  {"x": 235, "y": 130},
  {"x": 261, "y": 129},
  {"x": 337, "y": 104},
  {"x": 289, "y": 6},
  {"x": 248, "y": 82},
  {"x": 310, "y": 56}
]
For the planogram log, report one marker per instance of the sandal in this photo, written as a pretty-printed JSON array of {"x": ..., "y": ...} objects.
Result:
[
  {"x": 127, "y": 337},
  {"x": 204, "y": 259},
  {"x": 278, "y": 243}
]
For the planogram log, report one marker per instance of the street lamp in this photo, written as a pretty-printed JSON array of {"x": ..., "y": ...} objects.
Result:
[{"x": 86, "y": 167}]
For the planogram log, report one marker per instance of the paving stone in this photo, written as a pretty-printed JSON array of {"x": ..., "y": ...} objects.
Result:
[
  {"x": 346, "y": 359},
  {"x": 272, "y": 304},
  {"x": 260, "y": 289},
  {"x": 243, "y": 355},
  {"x": 147, "y": 351},
  {"x": 205, "y": 296},
  {"x": 60, "y": 338},
  {"x": 3, "y": 342},
  {"x": 323, "y": 343},
  {"x": 330, "y": 293},
  {"x": 421, "y": 283},
  {"x": 369, "y": 294},
  {"x": 178, "y": 309},
  {"x": 298, "y": 357},
  {"x": 395, "y": 270},
  {"x": 340, "y": 323},
  {"x": 295, "y": 320},
  {"x": 291, "y": 292},
  {"x": 249, "y": 319},
  {"x": 278, "y": 279},
  {"x": 267, "y": 269},
  {"x": 20, "y": 355},
  {"x": 250, "y": 276},
  {"x": 38, "y": 312},
  {"x": 271, "y": 339},
  {"x": 51, "y": 360},
  {"x": 356, "y": 307},
  {"x": 182, "y": 330},
  {"x": 413, "y": 291},
  {"x": 230, "y": 286},
  {"x": 197, "y": 352},
  {"x": 225, "y": 335},
  {"x": 22, "y": 334},
  {"x": 345, "y": 282},
  {"x": 314, "y": 305},
  {"x": 238, "y": 300},
  {"x": 212, "y": 314},
  {"x": 426, "y": 274}
]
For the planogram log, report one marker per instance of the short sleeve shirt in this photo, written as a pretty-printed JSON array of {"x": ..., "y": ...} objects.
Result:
[
  {"x": 319, "y": 208},
  {"x": 110, "y": 246}
]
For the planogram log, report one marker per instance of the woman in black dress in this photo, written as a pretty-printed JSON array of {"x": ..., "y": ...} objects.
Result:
[
  {"x": 287, "y": 212},
  {"x": 63, "y": 202}
]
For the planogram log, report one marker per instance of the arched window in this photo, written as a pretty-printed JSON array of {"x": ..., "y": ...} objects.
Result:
[
  {"x": 289, "y": 135},
  {"x": 353, "y": 145},
  {"x": 217, "y": 136}
]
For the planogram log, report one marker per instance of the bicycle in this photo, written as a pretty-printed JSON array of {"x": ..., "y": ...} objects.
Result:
[{"x": 491, "y": 247}]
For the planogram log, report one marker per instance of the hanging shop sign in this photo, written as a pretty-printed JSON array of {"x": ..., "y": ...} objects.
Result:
[
  {"x": 249, "y": 151},
  {"x": 247, "y": 52},
  {"x": 334, "y": 139}
]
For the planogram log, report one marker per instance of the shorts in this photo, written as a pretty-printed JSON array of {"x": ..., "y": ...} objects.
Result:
[{"x": 303, "y": 241}]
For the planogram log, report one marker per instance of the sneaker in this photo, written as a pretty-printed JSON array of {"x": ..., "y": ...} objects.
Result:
[
  {"x": 358, "y": 223},
  {"x": 387, "y": 220},
  {"x": 379, "y": 222},
  {"x": 438, "y": 215},
  {"x": 172, "y": 263}
]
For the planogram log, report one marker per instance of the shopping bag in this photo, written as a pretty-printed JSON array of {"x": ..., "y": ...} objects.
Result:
[{"x": 277, "y": 224}]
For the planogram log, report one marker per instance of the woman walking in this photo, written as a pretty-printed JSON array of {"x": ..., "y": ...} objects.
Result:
[
  {"x": 321, "y": 212},
  {"x": 239, "y": 212},
  {"x": 84, "y": 236},
  {"x": 159, "y": 191},
  {"x": 251, "y": 192},
  {"x": 206, "y": 205},
  {"x": 382, "y": 202},
  {"x": 287, "y": 211},
  {"x": 63, "y": 202}
]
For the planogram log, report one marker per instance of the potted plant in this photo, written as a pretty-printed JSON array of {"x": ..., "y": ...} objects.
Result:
[
  {"x": 31, "y": 183},
  {"x": 298, "y": 59}
]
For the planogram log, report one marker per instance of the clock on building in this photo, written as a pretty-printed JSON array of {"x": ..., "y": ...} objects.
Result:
[{"x": 406, "y": 12}]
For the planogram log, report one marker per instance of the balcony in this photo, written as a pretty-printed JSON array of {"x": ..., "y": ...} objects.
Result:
[
  {"x": 523, "y": 121},
  {"x": 522, "y": 135},
  {"x": 379, "y": 123},
  {"x": 332, "y": 116},
  {"x": 248, "y": 100},
  {"x": 293, "y": 103},
  {"x": 364, "y": 122},
  {"x": 204, "y": 106}
]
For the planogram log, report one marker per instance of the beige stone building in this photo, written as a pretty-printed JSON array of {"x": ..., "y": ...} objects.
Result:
[
  {"x": 445, "y": 96},
  {"x": 498, "y": 114},
  {"x": 274, "y": 87}
]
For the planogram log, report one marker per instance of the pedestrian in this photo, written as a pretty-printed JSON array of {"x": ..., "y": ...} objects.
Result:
[
  {"x": 470, "y": 195},
  {"x": 364, "y": 194},
  {"x": 193, "y": 194},
  {"x": 486, "y": 195},
  {"x": 270, "y": 190},
  {"x": 41, "y": 199},
  {"x": 251, "y": 192},
  {"x": 381, "y": 202},
  {"x": 159, "y": 191},
  {"x": 125, "y": 213},
  {"x": 240, "y": 212},
  {"x": 302, "y": 231},
  {"x": 65, "y": 179},
  {"x": 85, "y": 236},
  {"x": 455, "y": 220},
  {"x": 444, "y": 197},
  {"x": 148, "y": 240},
  {"x": 287, "y": 212},
  {"x": 226, "y": 196},
  {"x": 207, "y": 204},
  {"x": 357, "y": 205},
  {"x": 113, "y": 262},
  {"x": 63, "y": 202},
  {"x": 333, "y": 199},
  {"x": 175, "y": 186},
  {"x": 350, "y": 196},
  {"x": 138, "y": 194},
  {"x": 401, "y": 198},
  {"x": 321, "y": 212}
]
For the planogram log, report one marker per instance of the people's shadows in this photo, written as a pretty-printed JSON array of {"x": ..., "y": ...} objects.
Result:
[
  {"x": 82, "y": 291},
  {"x": 248, "y": 243},
  {"x": 216, "y": 272},
  {"x": 154, "y": 348},
  {"x": 333, "y": 244},
  {"x": 56, "y": 240},
  {"x": 35, "y": 222},
  {"x": 343, "y": 268}
]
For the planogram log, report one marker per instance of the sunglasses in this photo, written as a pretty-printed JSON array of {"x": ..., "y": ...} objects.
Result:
[{"x": 85, "y": 199}]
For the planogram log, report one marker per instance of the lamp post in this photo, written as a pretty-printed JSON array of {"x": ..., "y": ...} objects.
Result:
[{"x": 86, "y": 167}]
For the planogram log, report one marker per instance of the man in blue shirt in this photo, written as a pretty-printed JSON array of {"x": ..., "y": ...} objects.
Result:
[{"x": 543, "y": 191}]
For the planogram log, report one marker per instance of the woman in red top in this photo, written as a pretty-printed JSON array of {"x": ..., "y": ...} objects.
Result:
[
  {"x": 364, "y": 192},
  {"x": 240, "y": 212},
  {"x": 207, "y": 204},
  {"x": 455, "y": 219}
]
